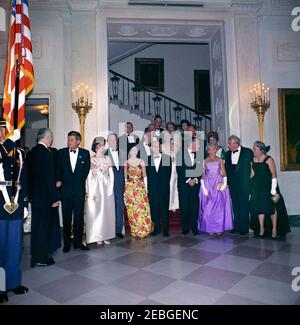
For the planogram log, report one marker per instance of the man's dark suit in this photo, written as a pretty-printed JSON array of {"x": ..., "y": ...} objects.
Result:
[
  {"x": 239, "y": 186},
  {"x": 119, "y": 187},
  {"x": 143, "y": 152},
  {"x": 188, "y": 195},
  {"x": 125, "y": 146},
  {"x": 43, "y": 193},
  {"x": 73, "y": 193},
  {"x": 159, "y": 191}
]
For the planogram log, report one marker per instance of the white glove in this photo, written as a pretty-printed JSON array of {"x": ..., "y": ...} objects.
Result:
[
  {"x": 223, "y": 187},
  {"x": 204, "y": 190},
  {"x": 146, "y": 183},
  {"x": 25, "y": 213},
  {"x": 274, "y": 185},
  {"x": 15, "y": 136}
]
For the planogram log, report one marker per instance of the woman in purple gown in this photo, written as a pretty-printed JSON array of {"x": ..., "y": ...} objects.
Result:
[{"x": 215, "y": 212}]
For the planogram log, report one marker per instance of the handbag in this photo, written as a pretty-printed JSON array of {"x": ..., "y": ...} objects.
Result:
[{"x": 275, "y": 198}]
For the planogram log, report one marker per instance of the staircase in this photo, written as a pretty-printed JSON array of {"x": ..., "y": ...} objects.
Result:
[{"x": 146, "y": 103}]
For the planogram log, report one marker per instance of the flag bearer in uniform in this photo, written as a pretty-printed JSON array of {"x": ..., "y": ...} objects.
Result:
[{"x": 13, "y": 201}]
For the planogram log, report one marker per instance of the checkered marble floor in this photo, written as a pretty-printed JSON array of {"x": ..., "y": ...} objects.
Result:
[{"x": 179, "y": 270}]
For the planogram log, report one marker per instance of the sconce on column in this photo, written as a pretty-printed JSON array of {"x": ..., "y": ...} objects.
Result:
[
  {"x": 82, "y": 104},
  {"x": 260, "y": 102}
]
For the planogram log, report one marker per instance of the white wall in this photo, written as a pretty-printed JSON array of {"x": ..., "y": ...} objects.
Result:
[
  {"x": 280, "y": 68},
  {"x": 180, "y": 61},
  {"x": 47, "y": 39},
  {"x": 268, "y": 54},
  {"x": 70, "y": 49},
  {"x": 118, "y": 117}
]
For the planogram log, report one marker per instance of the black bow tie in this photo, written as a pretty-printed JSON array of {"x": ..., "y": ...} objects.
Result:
[
  {"x": 235, "y": 151},
  {"x": 156, "y": 156},
  {"x": 72, "y": 150}
]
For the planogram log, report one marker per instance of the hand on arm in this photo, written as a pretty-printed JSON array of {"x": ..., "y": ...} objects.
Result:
[{"x": 55, "y": 204}]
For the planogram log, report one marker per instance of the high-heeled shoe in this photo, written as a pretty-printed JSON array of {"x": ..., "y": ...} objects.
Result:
[
  {"x": 261, "y": 234},
  {"x": 274, "y": 237}
]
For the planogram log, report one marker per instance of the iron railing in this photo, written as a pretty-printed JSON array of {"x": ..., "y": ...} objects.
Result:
[{"x": 147, "y": 102}]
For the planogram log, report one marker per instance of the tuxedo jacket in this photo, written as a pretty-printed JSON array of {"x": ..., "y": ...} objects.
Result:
[
  {"x": 73, "y": 183},
  {"x": 42, "y": 185},
  {"x": 159, "y": 181},
  {"x": 239, "y": 176},
  {"x": 125, "y": 146},
  {"x": 119, "y": 178},
  {"x": 185, "y": 169},
  {"x": 143, "y": 153}
]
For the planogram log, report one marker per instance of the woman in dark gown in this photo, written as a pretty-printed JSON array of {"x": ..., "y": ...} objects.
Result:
[{"x": 268, "y": 212}]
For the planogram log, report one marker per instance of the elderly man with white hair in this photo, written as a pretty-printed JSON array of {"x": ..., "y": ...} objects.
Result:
[{"x": 238, "y": 161}]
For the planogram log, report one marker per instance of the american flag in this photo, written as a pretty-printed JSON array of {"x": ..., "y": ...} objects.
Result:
[{"x": 19, "y": 58}]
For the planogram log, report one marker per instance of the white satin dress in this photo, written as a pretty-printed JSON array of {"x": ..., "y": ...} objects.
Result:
[{"x": 100, "y": 202}]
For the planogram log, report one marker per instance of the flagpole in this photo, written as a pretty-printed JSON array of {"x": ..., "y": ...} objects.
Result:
[{"x": 16, "y": 113}]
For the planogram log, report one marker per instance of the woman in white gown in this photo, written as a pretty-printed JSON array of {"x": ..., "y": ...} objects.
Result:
[
  {"x": 171, "y": 145},
  {"x": 100, "y": 204}
]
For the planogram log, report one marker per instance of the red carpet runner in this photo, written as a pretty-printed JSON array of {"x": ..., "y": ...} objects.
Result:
[{"x": 174, "y": 222}]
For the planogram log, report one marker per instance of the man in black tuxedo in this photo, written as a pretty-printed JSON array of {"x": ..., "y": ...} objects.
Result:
[
  {"x": 145, "y": 146},
  {"x": 119, "y": 182},
  {"x": 238, "y": 168},
  {"x": 157, "y": 125},
  {"x": 189, "y": 169},
  {"x": 126, "y": 142},
  {"x": 73, "y": 169},
  {"x": 44, "y": 198},
  {"x": 158, "y": 178}
]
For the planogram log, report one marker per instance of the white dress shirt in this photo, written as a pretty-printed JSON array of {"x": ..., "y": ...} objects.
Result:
[
  {"x": 235, "y": 156},
  {"x": 191, "y": 156},
  {"x": 157, "y": 132},
  {"x": 157, "y": 160},
  {"x": 131, "y": 138},
  {"x": 73, "y": 158},
  {"x": 115, "y": 157},
  {"x": 147, "y": 148}
]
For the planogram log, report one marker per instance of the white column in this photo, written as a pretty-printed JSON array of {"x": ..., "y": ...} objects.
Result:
[
  {"x": 102, "y": 102},
  {"x": 84, "y": 65},
  {"x": 67, "y": 71},
  {"x": 248, "y": 70}
]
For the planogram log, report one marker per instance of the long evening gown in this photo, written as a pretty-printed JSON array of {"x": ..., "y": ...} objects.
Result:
[
  {"x": 174, "y": 200},
  {"x": 100, "y": 202},
  {"x": 170, "y": 147},
  {"x": 261, "y": 203},
  {"x": 215, "y": 212},
  {"x": 137, "y": 203}
]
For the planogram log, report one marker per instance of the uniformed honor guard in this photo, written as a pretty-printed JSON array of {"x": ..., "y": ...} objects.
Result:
[{"x": 13, "y": 201}]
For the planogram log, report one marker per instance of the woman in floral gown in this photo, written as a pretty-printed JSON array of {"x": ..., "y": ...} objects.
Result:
[{"x": 136, "y": 198}]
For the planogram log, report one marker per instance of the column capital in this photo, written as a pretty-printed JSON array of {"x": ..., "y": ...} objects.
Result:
[
  {"x": 246, "y": 6},
  {"x": 66, "y": 16},
  {"x": 87, "y": 5}
]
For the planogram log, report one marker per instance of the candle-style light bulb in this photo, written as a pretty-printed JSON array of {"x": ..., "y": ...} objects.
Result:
[
  {"x": 86, "y": 99},
  {"x": 77, "y": 95}
]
